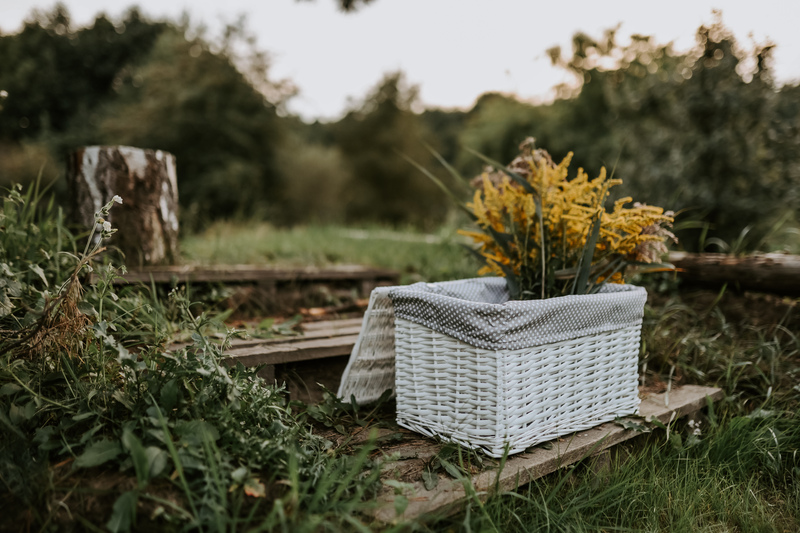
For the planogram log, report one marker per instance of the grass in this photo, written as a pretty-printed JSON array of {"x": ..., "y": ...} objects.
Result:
[
  {"x": 727, "y": 479},
  {"x": 415, "y": 255},
  {"x": 108, "y": 430},
  {"x": 741, "y": 475}
]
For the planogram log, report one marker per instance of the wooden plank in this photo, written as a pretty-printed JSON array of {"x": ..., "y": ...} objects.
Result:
[
  {"x": 332, "y": 324},
  {"x": 338, "y": 338},
  {"x": 255, "y": 273},
  {"x": 311, "y": 335},
  {"x": 449, "y": 495},
  {"x": 299, "y": 350},
  {"x": 778, "y": 273}
]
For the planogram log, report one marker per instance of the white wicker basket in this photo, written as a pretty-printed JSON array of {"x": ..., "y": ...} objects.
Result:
[
  {"x": 533, "y": 381},
  {"x": 497, "y": 398},
  {"x": 487, "y": 399}
]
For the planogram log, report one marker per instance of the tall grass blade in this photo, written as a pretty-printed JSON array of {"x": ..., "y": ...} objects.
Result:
[
  {"x": 439, "y": 184},
  {"x": 453, "y": 172},
  {"x": 585, "y": 261}
]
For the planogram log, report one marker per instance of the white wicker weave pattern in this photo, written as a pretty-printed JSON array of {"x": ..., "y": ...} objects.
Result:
[
  {"x": 370, "y": 370},
  {"x": 489, "y": 398}
]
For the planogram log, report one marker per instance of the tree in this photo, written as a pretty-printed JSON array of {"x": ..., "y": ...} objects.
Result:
[
  {"x": 375, "y": 139},
  {"x": 707, "y": 130},
  {"x": 194, "y": 103},
  {"x": 51, "y": 73}
]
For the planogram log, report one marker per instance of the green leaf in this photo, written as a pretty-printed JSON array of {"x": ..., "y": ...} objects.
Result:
[
  {"x": 9, "y": 388},
  {"x": 87, "y": 309},
  {"x": 400, "y": 504},
  {"x": 514, "y": 287},
  {"x": 98, "y": 453},
  {"x": 266, "y": 324},
  {"x": 156, "y": 461},
  {"x": 11, "y": 426},
  {"x": 124, "y": 512},
  {"x": 192, "y": 432},
  {"x": 121, "y": 398},
  {"x": 240, "y": 474},
  {"x": 170, "y": 395},
  {"x": 451, "y": 469},
  {"x": 19, "y": 414},
  {"x": 138, "y": 455},
  {"x": 632, "y": 424},
  {"x": 429, "y": 479},
  {"x": 39, "y": 272},
  {"x": 585, "y": 262}
]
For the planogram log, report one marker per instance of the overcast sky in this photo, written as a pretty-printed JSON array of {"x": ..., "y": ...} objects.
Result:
[{"x": 454, "y": 50}]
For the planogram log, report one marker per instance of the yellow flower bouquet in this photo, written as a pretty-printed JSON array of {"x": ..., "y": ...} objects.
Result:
[{"x": 550, "y": 235}]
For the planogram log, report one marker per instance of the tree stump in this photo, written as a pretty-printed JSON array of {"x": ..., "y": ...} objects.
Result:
[{"x": 147, "y": 182}]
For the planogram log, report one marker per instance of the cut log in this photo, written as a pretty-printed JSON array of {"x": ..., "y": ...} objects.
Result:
[
  {"x": 147, "y": 182},
  {"x": 779, "y": 273}
]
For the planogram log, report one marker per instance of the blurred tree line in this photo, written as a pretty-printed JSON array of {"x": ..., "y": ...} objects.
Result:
[{"x": 707, "y": 131}]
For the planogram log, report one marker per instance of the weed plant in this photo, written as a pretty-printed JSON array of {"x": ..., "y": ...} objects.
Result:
[{"x": 102, "y": 426}]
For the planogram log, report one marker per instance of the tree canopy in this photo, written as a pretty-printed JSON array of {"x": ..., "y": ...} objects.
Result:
[{"x": 707, "y": 131}]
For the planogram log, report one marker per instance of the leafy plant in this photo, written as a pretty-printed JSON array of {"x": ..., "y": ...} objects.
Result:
[{"x": 186, "y": 438}]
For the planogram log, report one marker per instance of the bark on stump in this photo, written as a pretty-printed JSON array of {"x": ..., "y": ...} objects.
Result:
[{"x": 147, "y": 182}]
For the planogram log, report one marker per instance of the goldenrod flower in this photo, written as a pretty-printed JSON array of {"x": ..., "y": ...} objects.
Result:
[{"x": 504, "y": 208}]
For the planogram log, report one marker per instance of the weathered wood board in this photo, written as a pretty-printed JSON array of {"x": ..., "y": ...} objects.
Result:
[
  {"x": 259, "y": 290},
  {"x": 449, "y": 495},
  {"x": 254, "y": 273}
]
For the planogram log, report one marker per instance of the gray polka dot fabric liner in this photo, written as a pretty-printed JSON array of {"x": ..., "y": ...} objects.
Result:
[{"x": 478, "y": 312}]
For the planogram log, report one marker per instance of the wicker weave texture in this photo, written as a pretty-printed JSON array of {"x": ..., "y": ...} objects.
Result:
[
  {"x": 488, "y": 399},
  {"x": 370, "y": 370}
]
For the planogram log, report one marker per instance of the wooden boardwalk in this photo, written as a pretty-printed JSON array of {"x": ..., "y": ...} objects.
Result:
[
  {"x": 262, "y": 290},
  {"x": 255, "y": 274},
  {"x": 450, "y": 494},
  {"x": 320, "y": 355}
]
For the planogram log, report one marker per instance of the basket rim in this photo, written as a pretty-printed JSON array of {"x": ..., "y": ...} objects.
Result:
[
  {"x": 430, "y": 288},
  {"x": 514, "y": 324}
]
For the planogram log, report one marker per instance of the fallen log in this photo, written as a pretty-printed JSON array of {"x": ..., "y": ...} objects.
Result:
[{"x": 778, "y": 273}]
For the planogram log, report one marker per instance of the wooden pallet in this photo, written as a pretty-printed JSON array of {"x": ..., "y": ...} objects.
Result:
[
  {"x": 450, "y": 495},
  {"x": 254, "y": 274},
  {"x": 322, "y": 352}
]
